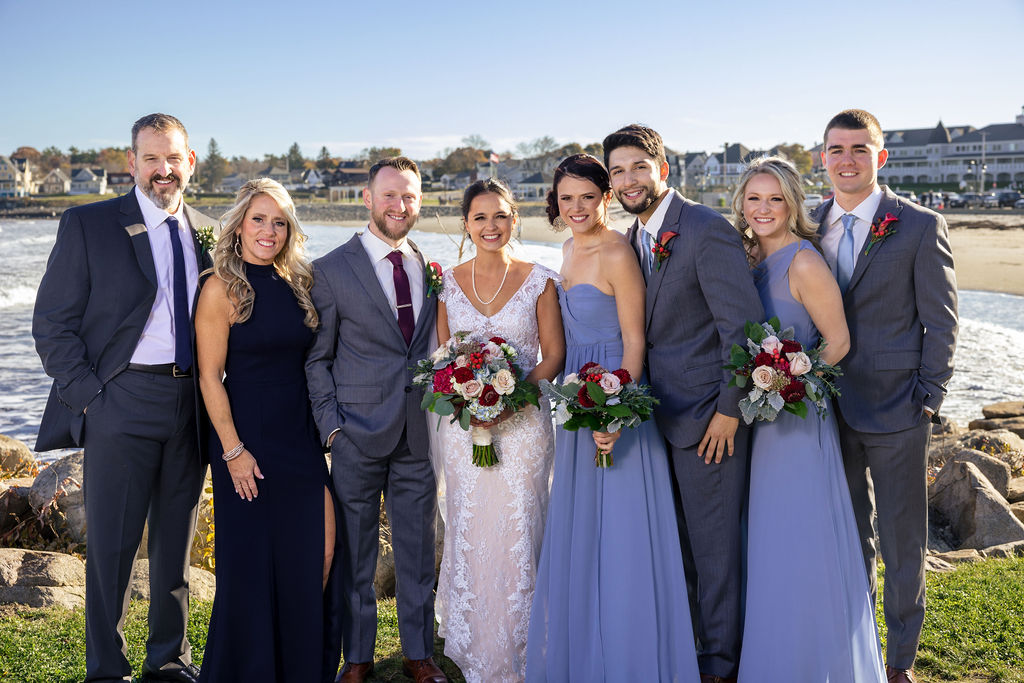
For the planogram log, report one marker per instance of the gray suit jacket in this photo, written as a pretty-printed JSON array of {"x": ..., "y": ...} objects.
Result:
[
  {"x": 92, "y": 305},
  {"x": 360, "y": 369},
  {"x": 697, "y": 305},
  {"x": 901, "y": 309}
]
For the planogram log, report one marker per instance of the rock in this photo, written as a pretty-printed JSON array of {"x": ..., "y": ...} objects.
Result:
[
  {"x": 1018, "y": 510},
  {"x": 945, "y": 427},
  {"x": 57, "y": 495},
  {"x": 1014, "y": 424},
  {"x": 202, "y": 542},
  {"x": 384, "y": 579},
  {"x": 978, "y": 514},
  {"x": 41, "y": 579},
  {"x": 995, "y": 470},
  {"x": 959, "y": 556},
  {"x": 1004, "y": 550},
  {"x": 934, "y": 564},
  {"x": 1001, "y": 444},
  {"x": 16, "y": 460},
  {"x": 14, "y": 505},
  {"x": 201, "y": 584},
  {"x": 1003, "y": 409},
  {"x": 1015, "y": 490},
  {"x": 941, "y": 538}
]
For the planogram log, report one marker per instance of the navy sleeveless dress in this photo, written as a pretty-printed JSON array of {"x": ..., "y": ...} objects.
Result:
[
  {"x": 269, "y": 620},
  {"x": 809, "y": 615}
]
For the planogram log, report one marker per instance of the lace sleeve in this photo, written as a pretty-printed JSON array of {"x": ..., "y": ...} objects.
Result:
[
  {"x": 538, "y": 280},
  {"x": 448, "y": 286}
]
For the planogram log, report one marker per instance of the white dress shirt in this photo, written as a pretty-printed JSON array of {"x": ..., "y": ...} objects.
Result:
[
  {"x": 156, "y": 346},
  {"x": 865, "y": 213},
  {"x": 378, "y": 250}
]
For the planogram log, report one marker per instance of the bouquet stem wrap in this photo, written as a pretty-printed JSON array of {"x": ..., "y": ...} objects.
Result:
[
  {"x": 603, "y": 458},
  {"x": 483, "y": 448}
]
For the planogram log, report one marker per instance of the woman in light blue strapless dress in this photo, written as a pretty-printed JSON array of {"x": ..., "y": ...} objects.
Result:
[
  {"x": 809, "y": 615},
  {"x": 610, "y": 601}
]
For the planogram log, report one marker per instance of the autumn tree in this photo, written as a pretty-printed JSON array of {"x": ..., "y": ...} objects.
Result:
[
  {"x": 113, "y": 159},
  {"x": 796, "y": 153},
  {"x": 52, "y": 157},
  {"x": 30, "y": 154},
  {"x": 374, "y": 154},
  {"x": 459, "y": 161}
]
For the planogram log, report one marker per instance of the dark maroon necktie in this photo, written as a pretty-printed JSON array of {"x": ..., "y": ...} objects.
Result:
[{"x": 403, "y": 297}]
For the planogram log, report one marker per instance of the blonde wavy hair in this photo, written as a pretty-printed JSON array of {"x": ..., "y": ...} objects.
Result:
[
  {"x": 798, "y": 223},
  {"x": 291, "y": 263}
]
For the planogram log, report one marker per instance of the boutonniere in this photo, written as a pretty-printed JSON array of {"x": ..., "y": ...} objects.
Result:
[
  {"x": 434, "y": 280},
  {"x": 207, "y": 238},
  {"x": 660, "y": 249},
  {"x": 881, "y": 229}
]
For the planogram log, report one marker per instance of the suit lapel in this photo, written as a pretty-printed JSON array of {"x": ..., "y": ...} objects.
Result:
[
  {"x": 131, "y": 220},
  {"x": 359, "y": 261},
  {"x": 671, "y": 222},
  {"x": 889, "y": 204},
  {"x": 631, "y": 237}
]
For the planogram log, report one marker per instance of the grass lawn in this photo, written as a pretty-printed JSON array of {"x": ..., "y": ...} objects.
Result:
[{"x": 974, "y": 631}]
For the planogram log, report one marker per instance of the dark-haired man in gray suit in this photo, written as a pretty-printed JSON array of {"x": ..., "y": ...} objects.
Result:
[
  {"x": 376, "y": 321},
  {"x": 113, "y": 327},
  {"x": 894, "y": 265},
  {"x": 699, "y": 297}
]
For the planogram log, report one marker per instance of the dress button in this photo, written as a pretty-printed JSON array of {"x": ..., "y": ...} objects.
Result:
[{"x": 650, "y": 345}]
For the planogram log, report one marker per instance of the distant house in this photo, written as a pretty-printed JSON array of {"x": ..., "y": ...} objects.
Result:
[
  {"x": 534, "y": 186},
  {"x": 231, "y": 184},
  {"x": 310, "y": 179},
  {"x": 120, "y": 183},
  {"x": 89, "y": 181},
  {"x": 55, "y": 182},
  {"x": 15, "y": 177},
  {"x": 347, "y": 181},
  {"x": 278, "y": 173}
]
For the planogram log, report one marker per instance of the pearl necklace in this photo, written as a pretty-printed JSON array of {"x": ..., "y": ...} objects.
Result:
[{"x": 491, "y": 300}]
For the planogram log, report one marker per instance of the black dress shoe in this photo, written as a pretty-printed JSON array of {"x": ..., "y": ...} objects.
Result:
[{"x": 188, "y": 674}]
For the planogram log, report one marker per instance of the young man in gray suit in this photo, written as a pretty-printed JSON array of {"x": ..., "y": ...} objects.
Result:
[
  {"x": 894, "y": 265},
  {"x": 376, "y": 321},
  {"x": 113, "y": 327},
  {"x": 699, "y": 296}
]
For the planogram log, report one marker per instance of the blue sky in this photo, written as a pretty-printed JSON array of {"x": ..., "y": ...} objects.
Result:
[{"x": 258, "y": 75}]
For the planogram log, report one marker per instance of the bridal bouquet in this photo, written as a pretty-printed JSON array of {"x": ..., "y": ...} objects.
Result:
[
  {"x": 468, "y": 379},
  {"x": 782, "y": 371},
  {"x": 600, "y": 400}
]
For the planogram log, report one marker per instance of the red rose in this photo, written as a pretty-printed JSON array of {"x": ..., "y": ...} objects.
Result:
[
  {"x": 790, "y": 346},
  {"x": 793, "y": 392},
  {"x": 443, "y": 380},
  {"x": 588, "y": 366},
  {"x": 488, "y": 397},
  {"x": 764, "y": 359},
  {"x": 497, "y": 340},
  {"x": 463, "y": 375},
  {"x": 584, "y": 397},
  {"x": 623, "y": 375},
  {"x": 436, "y": 267}
]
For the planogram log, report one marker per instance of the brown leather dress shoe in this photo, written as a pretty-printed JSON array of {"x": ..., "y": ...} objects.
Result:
[
  {"x": 899, "y": 675},
  {"x": 423, "y": 670},
  {"x": 354, "y": 673}
]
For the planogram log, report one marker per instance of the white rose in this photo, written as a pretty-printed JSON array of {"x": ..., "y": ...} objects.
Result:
[
  {"x": 799, "y": 363},
  {"x": 571, "y": 378},
  {"x": 461, "y": 361},
  {"x": 763, "y": 377},
  {"x": 472, "y": 388},
  {"x": 491, "y": 349},
  {"x": 504, "y": 382},
  {"x": 610, "y": 383},
  {"x": 771, "y": 344}
]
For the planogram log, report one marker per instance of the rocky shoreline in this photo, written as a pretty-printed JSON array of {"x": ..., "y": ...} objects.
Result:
[{"x": 975, "y": 494}]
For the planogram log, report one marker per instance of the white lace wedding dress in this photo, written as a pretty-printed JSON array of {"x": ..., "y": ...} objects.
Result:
[{"x": 494, "y": 516}]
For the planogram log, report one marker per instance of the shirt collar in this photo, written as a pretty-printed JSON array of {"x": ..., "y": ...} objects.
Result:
[
  {"x": 378, "y": 249},
  {"x": 153, "y": 216},
  {"x": 653, "y": 226},
  {"x": 865, "y": 211}
]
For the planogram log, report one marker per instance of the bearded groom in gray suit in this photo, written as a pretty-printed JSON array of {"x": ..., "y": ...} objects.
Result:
[
  {"x": 894, "y": 265},
  {"x": 113, "y": 327},
  {"x": 376, "y": 320},
  {"x": 700, "y": 294}
]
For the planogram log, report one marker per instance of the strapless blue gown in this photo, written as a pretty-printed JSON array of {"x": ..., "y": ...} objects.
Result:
[
  {"x": 809, "y": 616},
  {"x": 610, "y": 602}
]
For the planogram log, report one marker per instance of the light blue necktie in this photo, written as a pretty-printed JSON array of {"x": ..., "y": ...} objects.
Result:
[
  {"x": 645, "y": 252},
  {"x": 845, "y": 257}
]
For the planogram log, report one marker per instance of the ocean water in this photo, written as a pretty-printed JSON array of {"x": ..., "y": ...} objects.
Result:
[{"x": 989, "y": 364}]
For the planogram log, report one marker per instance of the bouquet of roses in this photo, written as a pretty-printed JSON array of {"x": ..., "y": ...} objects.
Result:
[
  {"x": 782, "y": 371},
  {"x": 599, "y": 400},
  {"x": 468, "y": 379}
]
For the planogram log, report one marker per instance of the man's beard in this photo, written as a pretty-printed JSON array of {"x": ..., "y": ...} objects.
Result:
[
  {"x": 165, "y": 196},
  {"x": 645, "y": 201},
  {"x": 380, "y": 219}
]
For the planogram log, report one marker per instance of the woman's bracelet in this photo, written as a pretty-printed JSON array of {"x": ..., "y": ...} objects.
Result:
[{"x": 234, "y": 452}]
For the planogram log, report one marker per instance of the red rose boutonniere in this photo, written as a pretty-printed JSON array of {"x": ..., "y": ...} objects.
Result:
[
  {"x": 881, "y": 229},
  {"x": 660, "y": 249},
  {"x": 434, "y": 280}
]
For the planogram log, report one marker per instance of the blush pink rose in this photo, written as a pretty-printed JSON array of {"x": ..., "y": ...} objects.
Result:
[
  {"x": 771, "y": 344},
  {"x": 472, "y": 388},
  {"x": 799, "y": 363},
  {"x": 504, "y": 382},
  {"x": 763, "y": 377},
  {"x": 610, "y": 384}
]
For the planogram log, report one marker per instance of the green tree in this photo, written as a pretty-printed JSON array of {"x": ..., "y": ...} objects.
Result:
[
  {"x": 294, "y": 157},
  {"x": 374, "y": 154},
  {"x": 796, "y": 153},
  {"x": 569, "y": 149},
  {"x": 595, "y": 148},
  {"x": 82, "y": 156},
  {"x": 52, "y": 158},
  {"x": 214, "y": 167},
  {"x": 324, "y": 161}
]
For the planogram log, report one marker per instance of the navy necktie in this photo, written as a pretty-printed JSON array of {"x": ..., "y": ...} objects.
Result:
[
  {"x": 182, "y": 320},
  {"x": 403, "y": 297}
]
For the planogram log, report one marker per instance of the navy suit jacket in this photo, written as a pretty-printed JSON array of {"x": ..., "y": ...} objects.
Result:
[{"x": 92, "y": 305}]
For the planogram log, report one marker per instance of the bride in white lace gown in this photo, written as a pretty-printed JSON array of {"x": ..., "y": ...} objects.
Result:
[{"x": 494, "y": 516}]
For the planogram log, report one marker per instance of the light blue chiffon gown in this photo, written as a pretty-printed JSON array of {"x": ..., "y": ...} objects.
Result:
[
  {"x": 610, "y": 601},
  {"x": 809, "y": 615}
]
